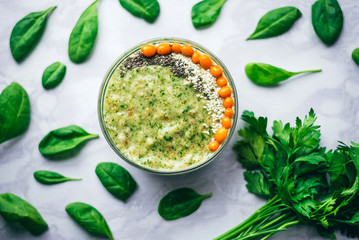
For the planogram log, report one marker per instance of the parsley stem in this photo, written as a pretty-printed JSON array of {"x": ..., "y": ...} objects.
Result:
[{"x": 254, "y": 223}]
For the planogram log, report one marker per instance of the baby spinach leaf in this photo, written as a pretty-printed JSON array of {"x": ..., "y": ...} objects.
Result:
[
  {"x": 47, "y": 177},
  {"x": 63, "y": 141},
  {"x": 89, "y": 218},
  {"x": 53, "y": 75},
  {"x": 27, "y": 33},
  {"x": 145, "y": 9},
  {"x": 83, "y": 36},
  {"x": 206, "y": 12},
  {"x": 276, "y": 22},
  {"x": 327, "y": 20},
  {"x": 180, "y": 203},
  {"x": 355, "y": 56},
  {"x": 14, "y": 112},
  {"x": 15, "y": 209},
  {"x": 267, "y": 75},
  {"x": 116, "y": 180}
]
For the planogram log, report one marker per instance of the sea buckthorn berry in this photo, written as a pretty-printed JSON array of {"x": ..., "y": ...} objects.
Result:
[
  {"x": 222, "y": 81},
  {"x": 216, "y": 71},
  {"x": 195, "y": 57},
  {"x": 187, "y": 50},
  {"x": 205, "y": 61},
  {"x": 221, "y": 134},
  {"x": 176, "y": 47},
  {"x": 148, "y": 50},
  {"x": 226, "y": 122},
  {"x": 163, "y": 48},
  {"x": 228, "y": 112},
  {"x": 213, "y": 146},
  {"x": 225, "y": 92},
  {"x": 228, "y": 102}
]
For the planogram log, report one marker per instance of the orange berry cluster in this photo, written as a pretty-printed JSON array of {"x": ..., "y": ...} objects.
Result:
[{"x": 206, "y": 63}]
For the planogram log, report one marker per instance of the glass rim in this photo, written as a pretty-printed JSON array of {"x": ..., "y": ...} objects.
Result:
[{"x": 113, "y": 68}]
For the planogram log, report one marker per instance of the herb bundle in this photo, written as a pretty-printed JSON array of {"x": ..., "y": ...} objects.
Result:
[{"x": 304, "y": 183}]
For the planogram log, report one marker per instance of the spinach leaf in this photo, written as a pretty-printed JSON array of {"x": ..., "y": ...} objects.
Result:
[
  {"x": 206, "y": 12},
  {"x": 53, "y": 75},
  {"x": 89, "y": 218},
  {"x": 267, "y": 75},
  {"x": 145, "y": 9},
  {"x": 276, "y": 22},
  {"x": 15, "y": 209},
  {"x": 14, "y": 112},
  {"x": 27, "y": 33},
  {"x": 355, "y": 56},
  {"x": 327, "y": 20},
  {"x": 180, "y": 203},
  {"x": 64, "y": 141},
  {"x": 83, "y": 36},
  {"x": 116, "y": 180},
  {"x": 47, "y": 177}
]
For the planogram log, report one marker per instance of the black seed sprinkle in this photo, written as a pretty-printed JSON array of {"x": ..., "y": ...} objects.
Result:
[{"x": 178, "y": 67}]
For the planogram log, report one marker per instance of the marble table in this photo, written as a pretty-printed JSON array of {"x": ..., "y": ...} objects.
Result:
[{"x": 334, "y": 95}]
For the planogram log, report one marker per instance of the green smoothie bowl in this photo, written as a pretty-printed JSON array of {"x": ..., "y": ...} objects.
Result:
[{"x": 168, "y": 106}]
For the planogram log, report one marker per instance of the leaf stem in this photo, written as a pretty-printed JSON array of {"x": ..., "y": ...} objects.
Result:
[
  {"x": 50, "y": 9},
  {"x": 206, "y": 195},
  {"x": 309, "y": 71}
]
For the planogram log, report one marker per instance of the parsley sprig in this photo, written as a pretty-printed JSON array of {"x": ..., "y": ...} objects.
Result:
[{"x": 303, "y": 182}]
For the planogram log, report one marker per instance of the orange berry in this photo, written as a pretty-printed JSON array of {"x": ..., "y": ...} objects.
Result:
[
  {"x": 187, "y": 50},
  {"x": 216, "y": 71},
  {"x": 225, "y": 92},
  {"x": 228, "y": 102},
  {"x": 221, "y": 134},
  {"x": 222, "y": 81},
  {"x": 195, "y": 57},
  {"x": 213, "y": 146},
  {"x": 148, "y": 50},
  {"x": 228, "y": 112},
  {"x": 205, "y": 61},
  {"x": 163, "y": 48},
  {"x": 226, "y": 122},
  {"x": 176, "y": 47}
]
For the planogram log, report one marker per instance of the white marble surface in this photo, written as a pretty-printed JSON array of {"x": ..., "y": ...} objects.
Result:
[{"x": 334, "y": 95}]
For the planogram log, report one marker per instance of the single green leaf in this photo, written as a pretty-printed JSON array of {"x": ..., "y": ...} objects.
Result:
[
  {"x": 306, "y": 135},
  {"x": 250, "y": 149},
  {"x": 327, "y": 20},
  {"x": 180, "y": 203},
  {"x": 276, "y": 22},
  {"x": 206, "y": 12},
  {"x": 309, "y": 163},
  {"x": 268, "y": 75},
  {"x": 53, "y": 75},
  {"x": 283, "y": 133},
  {"x": 259, "y": 125},
  {"x": 89, "y": 218},
  {"x": 15, "y": 209},
  {"x": 355, "y": 56},
  {"x": 145, "y": 9},
  {"x": 83, "y": 36},
  {"x": 63, "y": 141},
  {"x": 47, "y": 177},
  {"x": 27, "y": 33},
  {"x": 257, "y": 183},
  {"x": 117, "y": 180},
  {"x": 14, "y": 112}
]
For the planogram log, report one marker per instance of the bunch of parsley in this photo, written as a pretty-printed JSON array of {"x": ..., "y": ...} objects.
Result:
[{"x": 304, "y": 183}]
